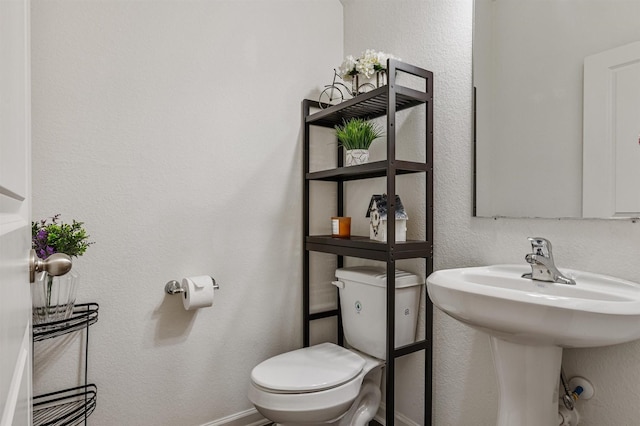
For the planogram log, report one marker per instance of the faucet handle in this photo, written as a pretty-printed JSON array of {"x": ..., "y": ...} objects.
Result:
[
  {"x": 541, "y": 247},
  {"x": 541, "y": 261}
]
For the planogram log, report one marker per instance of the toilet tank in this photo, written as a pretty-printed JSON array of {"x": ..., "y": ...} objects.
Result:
[{"x": 363, "y": 301}]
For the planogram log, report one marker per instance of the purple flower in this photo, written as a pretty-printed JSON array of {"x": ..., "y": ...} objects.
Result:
[
  {"x": 58, "y": 237},
  {"x": 40, "y": 244}
]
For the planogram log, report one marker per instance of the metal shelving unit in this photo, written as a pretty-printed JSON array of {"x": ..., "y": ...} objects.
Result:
[
  {"x": 383, "y": 101},
  {"x": 71, "y": 406}
]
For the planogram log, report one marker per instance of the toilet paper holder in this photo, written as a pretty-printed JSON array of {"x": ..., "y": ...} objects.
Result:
[{"x": 175, "y": 287}]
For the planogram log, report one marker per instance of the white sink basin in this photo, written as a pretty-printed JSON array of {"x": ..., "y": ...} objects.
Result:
[
  {"x": 598, "y": 311},
  {"x": 529, "y": 322}
]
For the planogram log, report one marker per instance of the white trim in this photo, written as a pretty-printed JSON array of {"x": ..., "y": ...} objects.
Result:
[
  {"x": 250, "y": 417},
  {"x": 401, "y": 419},
  {"x": 17, "y": 381}
]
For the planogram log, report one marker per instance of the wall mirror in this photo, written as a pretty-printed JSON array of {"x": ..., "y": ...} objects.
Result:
[{"x": 557, "y": 108}]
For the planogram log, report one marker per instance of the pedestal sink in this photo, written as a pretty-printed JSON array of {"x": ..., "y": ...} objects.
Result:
[{"x": 529, "y": 322}]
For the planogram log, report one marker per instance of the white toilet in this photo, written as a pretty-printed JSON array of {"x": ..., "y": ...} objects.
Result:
[{"x": 327, "y": 384}]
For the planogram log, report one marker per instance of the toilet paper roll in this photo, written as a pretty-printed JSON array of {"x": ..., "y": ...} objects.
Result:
[{"x": 198, "y": 292}]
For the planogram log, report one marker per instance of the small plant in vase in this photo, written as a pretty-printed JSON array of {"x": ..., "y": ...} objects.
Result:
[
  {"x": 54, "y": 296},
  {"x": 356, "y": 135}
]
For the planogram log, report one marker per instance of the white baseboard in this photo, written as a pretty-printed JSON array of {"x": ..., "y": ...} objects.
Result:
[
  {"x": 401, "y": 420},
  {"x": 250, "y": 417}
]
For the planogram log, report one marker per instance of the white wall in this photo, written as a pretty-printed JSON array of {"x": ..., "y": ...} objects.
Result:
[
  {"x": 172, "y": 129},
  {"x": 131, "y": 106},
  {"x": 436, "y": 34}
]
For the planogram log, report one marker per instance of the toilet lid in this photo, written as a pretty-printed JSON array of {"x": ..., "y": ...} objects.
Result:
[{"x": 309, "y": 369}]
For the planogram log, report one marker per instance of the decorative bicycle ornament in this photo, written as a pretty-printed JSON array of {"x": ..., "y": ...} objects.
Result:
[
  {"x": 360, "y": 72},
  {"x": 337, "y": 91}
]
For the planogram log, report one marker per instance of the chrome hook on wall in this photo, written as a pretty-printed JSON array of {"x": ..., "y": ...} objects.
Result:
[{"x": 175, "y": 287}]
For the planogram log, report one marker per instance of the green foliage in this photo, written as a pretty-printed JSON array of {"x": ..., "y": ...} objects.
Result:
[
  {"x": 357, "y": 133},
  {"x": 59, "y": 237},
  {"x": 69, "y": 239}
]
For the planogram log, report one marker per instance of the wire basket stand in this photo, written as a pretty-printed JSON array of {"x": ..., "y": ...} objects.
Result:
[{"x": 67, "y": 407}]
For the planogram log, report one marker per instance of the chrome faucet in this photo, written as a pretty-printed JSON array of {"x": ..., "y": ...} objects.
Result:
[{"x": 541, "y": 261}]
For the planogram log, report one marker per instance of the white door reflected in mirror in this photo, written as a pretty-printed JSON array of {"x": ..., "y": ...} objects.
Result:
[
  {"x": 611, "y": 152},
  {"x": 528, "y": 65}
]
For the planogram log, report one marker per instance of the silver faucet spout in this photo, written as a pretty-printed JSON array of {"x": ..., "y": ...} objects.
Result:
[{"x": 542, "y": 266}]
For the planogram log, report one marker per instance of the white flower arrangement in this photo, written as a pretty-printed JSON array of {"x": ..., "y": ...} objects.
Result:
[{"x": 366, "y": 65}]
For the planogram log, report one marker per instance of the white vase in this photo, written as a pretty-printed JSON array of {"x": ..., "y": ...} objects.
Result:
[
  {"x": 357, "y": 156},
  {"x": 52, "y": 297}
]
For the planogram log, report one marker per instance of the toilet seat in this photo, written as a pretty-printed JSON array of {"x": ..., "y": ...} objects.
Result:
[
  {"x": 327, "y": 401},
  {"x": 311, "y": 369}
]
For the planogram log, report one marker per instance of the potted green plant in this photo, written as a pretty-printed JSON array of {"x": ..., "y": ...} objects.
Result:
[
  {"x": 356, "y": 135},
  {"x": 54, "y": 296}
]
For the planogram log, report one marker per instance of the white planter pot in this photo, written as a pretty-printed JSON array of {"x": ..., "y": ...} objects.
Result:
[{"x": 357, "y": 156}]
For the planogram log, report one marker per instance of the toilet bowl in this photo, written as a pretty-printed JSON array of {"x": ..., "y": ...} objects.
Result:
[
  {"x": 331, "y": 385},
  {"x": 322, "y": 384}
]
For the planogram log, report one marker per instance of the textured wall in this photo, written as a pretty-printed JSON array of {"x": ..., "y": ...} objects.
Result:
[
  {"x": 436, "y": 34},
  {"x": 173, "y": 130},
  {"x": 140, "y": 120}
]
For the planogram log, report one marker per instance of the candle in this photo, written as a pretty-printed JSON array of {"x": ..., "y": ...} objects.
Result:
[{"x": 341, "y": 227}]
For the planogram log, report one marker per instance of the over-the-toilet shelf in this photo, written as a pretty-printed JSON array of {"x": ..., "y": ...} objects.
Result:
[{"x": 385, "y": 101}]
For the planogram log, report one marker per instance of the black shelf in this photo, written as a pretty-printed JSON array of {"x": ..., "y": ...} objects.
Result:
[
  {"x": 368, "y": 105},
  {"x": 66, "y": 407},
  {"x": 383, "y": 101},
  {"x": 366, "y": 171},
  {"x": 365, "y": 248},
  {"x": 84, "y": 315}
]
